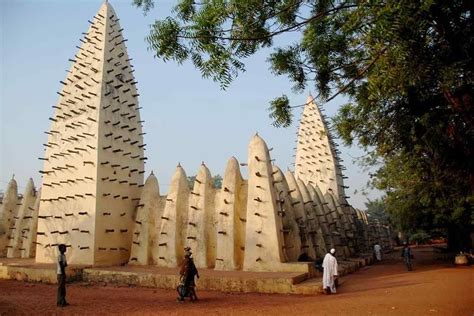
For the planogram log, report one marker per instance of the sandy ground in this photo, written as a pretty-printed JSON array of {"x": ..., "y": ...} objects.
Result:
[{"x": 434, "y": 287}]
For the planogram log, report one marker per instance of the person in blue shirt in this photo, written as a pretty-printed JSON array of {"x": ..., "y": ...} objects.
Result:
[{"x": 407, "y": 256}]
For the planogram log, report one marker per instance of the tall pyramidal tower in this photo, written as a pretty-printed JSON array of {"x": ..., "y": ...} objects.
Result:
[
  {"x": 316, "y": 160},
  {"x": 94, "y": 156}
]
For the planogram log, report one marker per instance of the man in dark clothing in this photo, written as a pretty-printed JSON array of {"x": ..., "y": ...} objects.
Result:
[
  {"x": 407, "y": 256},
  {"x": 187, "y": 272},
  {"x": 61, "y": 272},
  {"x": 304, "y": 257}
]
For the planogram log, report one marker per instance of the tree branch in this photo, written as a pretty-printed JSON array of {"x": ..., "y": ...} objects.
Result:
[
  {"x": 346, "y": 86},
  {"x": 275, "y": 33}
]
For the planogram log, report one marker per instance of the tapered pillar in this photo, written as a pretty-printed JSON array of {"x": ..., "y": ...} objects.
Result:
[
  {"x": 29, "y": 238},
  {"x": 23, "y": 222},
  {"x": 291, "y": 231},
  {"x": 147, "y": 223},
  {"x": 94, "y": 158},
  {"x": 316, "y": 160},
  {"x": 300, "y": 215},
  {"x": 169, "y": 249},
  {"x": 263, "y": 237},
  {"x": 8, "y": 214},
  {"x": 230, "y": 212},
  {"x": 201, "y": 228}
]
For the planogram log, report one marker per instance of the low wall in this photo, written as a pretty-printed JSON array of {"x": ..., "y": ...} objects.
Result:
[
  {"x": 229, "y": 282},
  {"x": 38, "y": 274},
  {"x": 299, "y": 278}
]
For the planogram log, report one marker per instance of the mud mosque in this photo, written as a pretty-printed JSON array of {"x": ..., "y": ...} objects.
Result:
[{"x": 94, "y": 197}]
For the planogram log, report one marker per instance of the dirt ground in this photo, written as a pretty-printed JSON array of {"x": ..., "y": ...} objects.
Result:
[{"x": 434, "y": 287}]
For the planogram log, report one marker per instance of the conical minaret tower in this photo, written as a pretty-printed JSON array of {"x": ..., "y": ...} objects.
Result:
[
  {"x": 316, "y": 161},
  {"x": 94, "y": 159}
]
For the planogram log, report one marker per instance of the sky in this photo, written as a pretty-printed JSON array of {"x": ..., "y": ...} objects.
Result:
[{"x": 188, "y": 119}]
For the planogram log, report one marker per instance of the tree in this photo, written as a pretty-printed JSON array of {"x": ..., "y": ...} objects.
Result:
[
  {"x": 216, "y": 181},
  {"x": 376, "y": 210},
  {"x": 405, "y": 67},
  {"x": 191, "y": 180},
  {"x": 422, "y": 194}
]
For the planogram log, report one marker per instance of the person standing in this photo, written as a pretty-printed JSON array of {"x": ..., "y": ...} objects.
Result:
[
  {"x": 407, "y": 256},
  {"x": 378, "y": 252},
  {"x": 61, "y": 272},
  {"x": 330, "y": 272}
]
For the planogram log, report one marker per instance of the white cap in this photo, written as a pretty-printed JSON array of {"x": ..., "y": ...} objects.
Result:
[{"x": 333, "y": 251}]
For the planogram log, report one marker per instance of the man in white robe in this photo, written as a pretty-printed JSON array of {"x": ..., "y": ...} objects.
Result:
[
  {"x": 378, "y": 252},
  {"x": 330, "y": 272}
]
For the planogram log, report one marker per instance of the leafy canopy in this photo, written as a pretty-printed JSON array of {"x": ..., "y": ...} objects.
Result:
[
  {"x": 216, "y": 181},
  {"x": 405, "y": 66},
  {"x": 376, "y": 210}
]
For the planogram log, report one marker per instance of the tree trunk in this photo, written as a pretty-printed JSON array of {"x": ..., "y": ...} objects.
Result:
[{"x": 459, "y": 238}]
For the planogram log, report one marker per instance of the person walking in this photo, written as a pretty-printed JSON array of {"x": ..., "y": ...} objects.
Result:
[
  {"x": 378, "y": 252},
  {"x": 407, "y": 256},
  {"x": 61, "y": 272},
  {"x": 330, "y": 272},
  {"x": 187, "y": 285}
]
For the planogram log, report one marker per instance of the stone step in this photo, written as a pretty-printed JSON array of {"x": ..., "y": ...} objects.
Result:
[{"x": 313, "y": 286}]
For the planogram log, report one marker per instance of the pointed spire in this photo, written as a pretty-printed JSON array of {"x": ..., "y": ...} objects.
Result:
[
  {"x": 316, "y": 161},
  {"x": 99, "y": 84}
]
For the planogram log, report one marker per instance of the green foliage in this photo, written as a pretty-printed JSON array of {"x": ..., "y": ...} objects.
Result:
[
  {"x": 280, "y": 112},
  {"x": 191, "y": 180},
  {"x": 216, "y": 181},
  {"x": 405, "y": 66},
  {"x": 426, "y": 195},
  {"x": 420, "y": 237},
  {"x": 146, "y": 5},
  {"x": 204, "y": 33},
  {"x": 376, "y": 210}
]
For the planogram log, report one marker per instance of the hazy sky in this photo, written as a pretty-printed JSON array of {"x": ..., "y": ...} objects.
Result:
[{"x": 187, "y": 119}]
